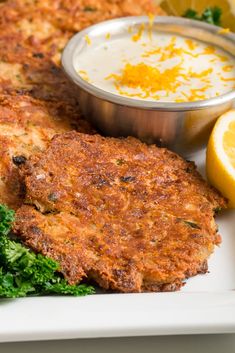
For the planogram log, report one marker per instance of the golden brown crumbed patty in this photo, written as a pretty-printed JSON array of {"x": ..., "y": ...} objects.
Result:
[
  {"x": 26, "y": 127},
  {"x": 32, "y": 36},
  {"x": 69, "y": 15},
  {"x": 130, "y": 216},
  {"x": 51, "y": 23},
  {"x": 29, "y": 71},
  {"x": 37, "y": 32}
]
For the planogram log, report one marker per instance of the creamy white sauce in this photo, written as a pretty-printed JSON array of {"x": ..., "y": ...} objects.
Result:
[{"x": 214, "y": 67}]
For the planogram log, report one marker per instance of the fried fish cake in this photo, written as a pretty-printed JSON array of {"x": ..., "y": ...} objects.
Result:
[
  {"x": 31, "y": 72},
  {"x": 37, "y": 32},
  {"x": 50, "y": 24},
  {"x": 33, "y": 35},
  {"x": 69, "y": 15},
  {"x": 131, "y": 217},
  {"x": 26, "y": 127}
]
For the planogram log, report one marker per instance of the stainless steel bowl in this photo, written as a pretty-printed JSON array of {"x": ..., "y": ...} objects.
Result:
[{"x": 182, "y": 127}]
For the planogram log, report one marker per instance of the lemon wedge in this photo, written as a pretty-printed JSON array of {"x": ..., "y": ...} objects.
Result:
[
  {"x": 179, "y": 7},
  {"x": 220, "y": 158}
]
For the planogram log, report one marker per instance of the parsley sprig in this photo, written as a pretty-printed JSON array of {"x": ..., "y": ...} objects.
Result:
[
  {"x": 210, "y": 15},
  {"x": 22, "y": 272}
]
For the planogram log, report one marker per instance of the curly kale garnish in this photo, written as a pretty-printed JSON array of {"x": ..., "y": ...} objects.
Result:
[
  {"x": 22, "y": 272},
  {"x": 6, "y": 218}
]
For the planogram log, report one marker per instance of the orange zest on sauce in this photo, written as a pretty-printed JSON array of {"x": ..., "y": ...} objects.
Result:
[
  {"x": 166, "y": 68},
  {"x": 87, "y": 39},
  {"x": 151, "y": 21},
  {"x": 224, "y": 31},
  {"x": 166, "y": 52},
  {"x": 208, "y": 50},
  {"x": 227, "y": 79},
  {"x": 201, "y": 74},
  {"x": 228, "y": 68},
  {"x": 148, "y": 78},
  {"x": 84, "y": 75},
  {"x": 136, "y": 37},
  {"x": 191, "y": 44}
]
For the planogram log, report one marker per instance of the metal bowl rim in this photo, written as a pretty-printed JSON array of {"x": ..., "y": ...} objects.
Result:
[{"x": 67, "y": 64}]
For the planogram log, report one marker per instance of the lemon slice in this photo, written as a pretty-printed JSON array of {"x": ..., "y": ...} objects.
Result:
[
  {"x": 179, "y": 7},
  {"x": 220, "y": 158}
]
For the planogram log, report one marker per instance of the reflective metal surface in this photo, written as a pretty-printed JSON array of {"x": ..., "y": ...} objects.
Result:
[{"x": 182, "y": 127}]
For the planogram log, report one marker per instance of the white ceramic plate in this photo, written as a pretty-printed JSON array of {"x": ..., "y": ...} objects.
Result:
[{"x": 205, "y": 305}]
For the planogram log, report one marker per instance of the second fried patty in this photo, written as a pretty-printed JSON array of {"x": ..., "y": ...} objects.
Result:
[
  {"x": 26, "y": 127},
  {"x": 130, "y": 216}
]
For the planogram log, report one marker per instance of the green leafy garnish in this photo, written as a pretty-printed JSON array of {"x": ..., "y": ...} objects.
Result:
[
  {"x": 22, "y": 272},
  {"x": 210, "y": 15},
  {"x": 6, "y": 218}
]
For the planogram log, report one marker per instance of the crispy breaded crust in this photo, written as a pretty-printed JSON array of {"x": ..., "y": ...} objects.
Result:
[
  {"x": 130, "y": 216},
  {"x": 50, "y": 24},
  {"x": 28, "y": 71},
  {"x": 69, "y": 15},
  {"x": 32, "y": 37},
  {"x": 26, "y": 127}
]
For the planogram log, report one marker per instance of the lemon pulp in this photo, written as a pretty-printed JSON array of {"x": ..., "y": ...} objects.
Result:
[{"x": 220, "y": 160}]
